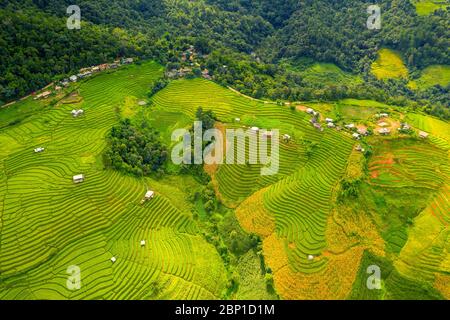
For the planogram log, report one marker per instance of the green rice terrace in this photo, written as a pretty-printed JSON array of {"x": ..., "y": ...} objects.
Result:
[
  {"x": 426, "y": 7},
  {"x": 340, "y": 202}
]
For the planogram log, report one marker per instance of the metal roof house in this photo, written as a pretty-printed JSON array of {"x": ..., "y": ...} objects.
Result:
[
  {"x": 78, "y": 178},
  {"x": 127, "y": 61},
  {"x": 423, "y": 134},
  {"x": 318, "y": 126},
  {"x": 404, "y": 126},
  {"x": 77, "y": 113},
  {"x": 149, "y": 195},
  {"x": 384, "y": 131}
]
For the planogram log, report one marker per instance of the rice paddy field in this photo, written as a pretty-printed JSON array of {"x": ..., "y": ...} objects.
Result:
[
  {"x": 426, "y": 7},
  {"x": 316, "y": 244},
  {"x": 438, "y": 128},
  {"x": 389, "y": 65}
]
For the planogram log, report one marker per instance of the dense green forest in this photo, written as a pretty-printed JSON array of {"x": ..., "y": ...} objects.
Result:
[
  {"x": 135, "y": 149},
  {"x": 256, "y": 41}
]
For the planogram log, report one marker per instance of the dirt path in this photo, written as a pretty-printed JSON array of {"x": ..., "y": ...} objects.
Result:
[
  {"x": 8, "y": 105},
  {"x": 248, "y": 97}
]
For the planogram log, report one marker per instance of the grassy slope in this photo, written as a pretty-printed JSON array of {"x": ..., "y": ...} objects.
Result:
[
  {"x": 431, "y": 76},
  {"x": 328, "y": 73}
]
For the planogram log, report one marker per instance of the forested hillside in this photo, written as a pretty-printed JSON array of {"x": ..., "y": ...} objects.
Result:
[{"x": 258, "y": 40}]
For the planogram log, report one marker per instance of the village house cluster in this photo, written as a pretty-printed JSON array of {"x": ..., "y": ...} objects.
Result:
[
  {"x": 189, "y": 65},
  {"x": 382, "y": 126},
  {"x": 87, "y": 72}
]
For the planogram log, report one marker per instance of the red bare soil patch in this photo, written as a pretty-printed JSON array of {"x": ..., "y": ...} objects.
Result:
[{"x": 388, "y": 159}]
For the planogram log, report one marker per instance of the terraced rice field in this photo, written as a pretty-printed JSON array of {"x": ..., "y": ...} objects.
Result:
[
  {"x": 48, "y": 223},
  {"x": 328, "y": 73},
  {"x": 405, "y": 177},
  {"x": 389, "y": 65},
  {"x": 354, "y": 109},
  {"x": 399, "y": 167},
  {"x": 426, "y": 7}
]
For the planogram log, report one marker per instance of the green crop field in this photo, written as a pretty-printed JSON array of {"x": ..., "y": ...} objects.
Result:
[{"x": 389, "y": 64}]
